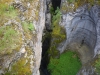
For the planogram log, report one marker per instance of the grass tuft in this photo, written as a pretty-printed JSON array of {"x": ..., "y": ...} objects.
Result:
[
  {"x": 28, "y": 26},
  {"x": 8, "y": 39},
  {"x": 7, "y": 11}
]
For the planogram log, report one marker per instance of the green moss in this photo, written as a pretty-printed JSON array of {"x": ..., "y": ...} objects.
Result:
[
  {"x": 71, "y": 1},
  {"x": 97, "y": 65},
  {"x": 27, "y": 26},
  {"x": 98, "y": 2},
  {"x": 3, "y": 8},
  {"x": 57, "y": 35},
  {"x": 7, "y": 11},
  {"x": 12, "y": 13},
  {"x": 31, "y": 26},
  {"x": 77, "y": 4},
  {"x": 21, "y": 67},
  {"x": 67, "y": 64},
  {"x": 51, "y": 9},
  {"x": 8, "y": 39}
]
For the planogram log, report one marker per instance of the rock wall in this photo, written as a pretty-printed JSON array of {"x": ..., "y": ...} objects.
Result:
[
  {"x": 21, "y": 27},
  {"x": 81, "y": 22}
]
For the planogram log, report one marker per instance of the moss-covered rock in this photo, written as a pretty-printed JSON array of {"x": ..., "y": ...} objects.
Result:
[
  {"x": 57, "y": 35},
  {"x": 71, "y": 9},
  {"x": 22, "y": 65},
  {"x": 72, "y": 5},
  {"x": 19, "y": 21}
]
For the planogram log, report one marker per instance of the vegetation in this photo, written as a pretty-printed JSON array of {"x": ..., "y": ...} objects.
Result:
[
  {"x": 67, "y": 64},
  {"x": 57, "y": 35},
  {"x": 12, "y": 13},
  {"x": 97, "y": 65},
  {"x": 12, "y": 38},
  {"x": 31, "y": 26},
  {"x": 51, "y": 10},
  {"x": 55, "y": 22},
  {"x": 21, "y": 67},
  {"x": 71, "y": 1},
  {"x": 8, "y": 38},
  {"x": 28, "y": 26},
  {"x": 8, "y": 35},
  {"x": 56, "y": 16},
  {"x": 68, "y": 7},
  {"x": 7, "y": 11}
]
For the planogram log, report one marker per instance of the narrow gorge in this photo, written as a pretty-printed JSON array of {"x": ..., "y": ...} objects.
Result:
[{"x": 50, "y": 37}]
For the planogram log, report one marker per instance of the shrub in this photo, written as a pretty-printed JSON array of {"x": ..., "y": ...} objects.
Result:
[
  {"x": 57, "y": 35},
  {"x": 56, "y": 16},
  {"x": 51, "y": 10}
]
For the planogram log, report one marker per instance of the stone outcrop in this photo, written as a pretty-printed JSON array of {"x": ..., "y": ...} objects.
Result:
[
  {"x": 21, "y": 27},
  {"x": 82, "y": 32}
]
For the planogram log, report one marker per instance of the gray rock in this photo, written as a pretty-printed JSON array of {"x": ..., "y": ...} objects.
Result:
[
  {"x": 83, "y": 36},
  {"x": 95, "y": 13},
  {"x": 48, "y": 21}
]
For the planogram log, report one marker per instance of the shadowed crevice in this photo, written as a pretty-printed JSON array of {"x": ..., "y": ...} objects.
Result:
[{"x": 56, "y": 3}]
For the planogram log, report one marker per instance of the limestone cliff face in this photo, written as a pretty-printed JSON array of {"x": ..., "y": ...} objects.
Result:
[
  {"x": 21, "y": 26},
  {"x": 81, "y": 22}
]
